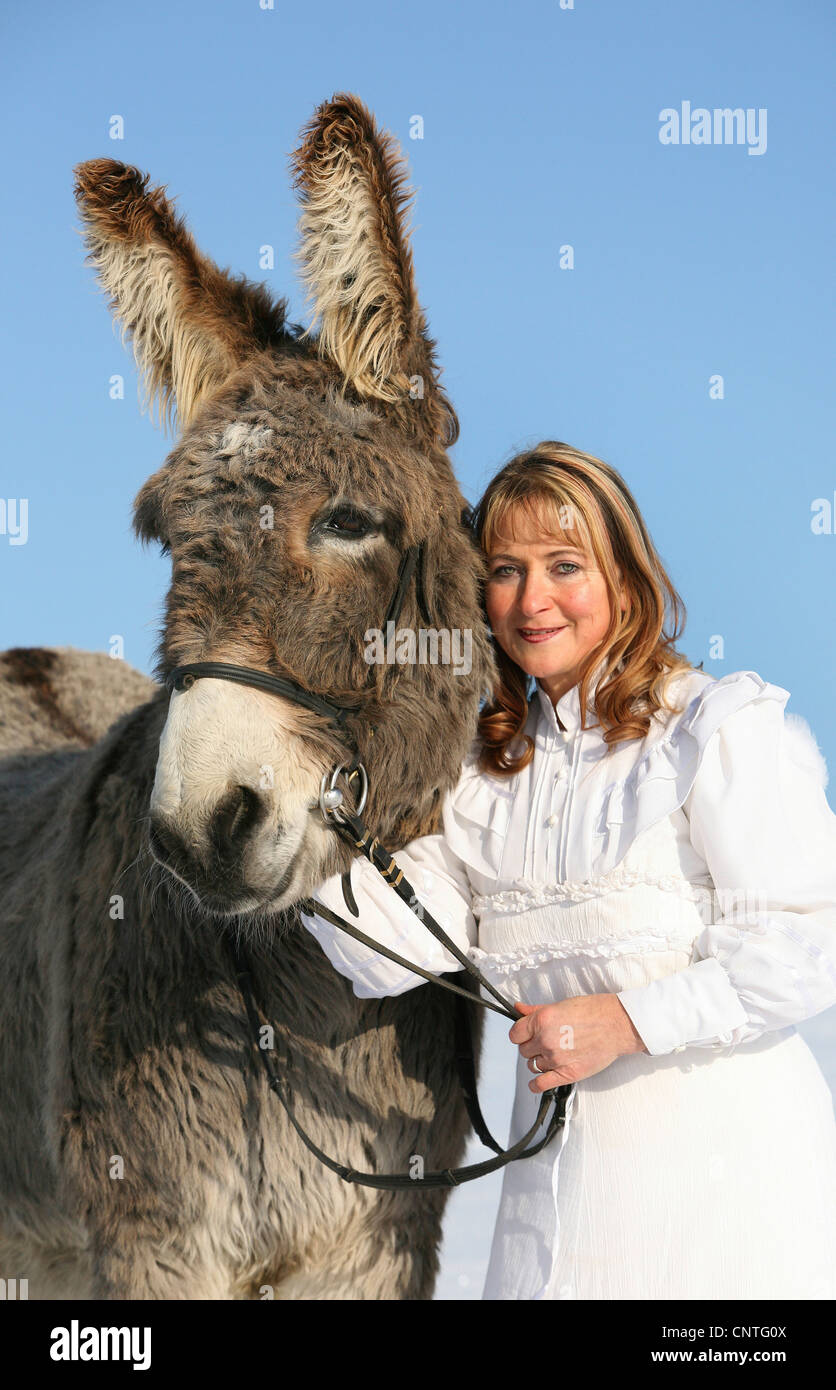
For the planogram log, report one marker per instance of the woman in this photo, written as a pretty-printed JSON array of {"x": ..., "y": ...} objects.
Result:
[{"x": 644, "y": 857}]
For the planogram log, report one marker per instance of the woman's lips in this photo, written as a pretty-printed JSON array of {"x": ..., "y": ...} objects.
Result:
[{"x": 539, "y": 634}]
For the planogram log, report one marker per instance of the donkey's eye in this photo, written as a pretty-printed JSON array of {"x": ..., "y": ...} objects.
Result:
[{"x": 348, "y": 522}]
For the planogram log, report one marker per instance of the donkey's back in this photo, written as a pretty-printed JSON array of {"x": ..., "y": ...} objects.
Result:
[
  {"x": 55, "y": 705},
  {"x": 54, "y": 697}
]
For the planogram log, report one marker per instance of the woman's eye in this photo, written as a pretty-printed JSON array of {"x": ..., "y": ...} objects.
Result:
[
  {"x": 346, "y": 522},
  {"x": 564, "y": 567}
]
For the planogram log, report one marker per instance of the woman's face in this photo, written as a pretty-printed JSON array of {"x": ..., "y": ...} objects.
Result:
[{"x": 547, "y": 603}]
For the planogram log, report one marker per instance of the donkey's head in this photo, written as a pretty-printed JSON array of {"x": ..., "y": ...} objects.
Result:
[{"x": 305, "y": 468}]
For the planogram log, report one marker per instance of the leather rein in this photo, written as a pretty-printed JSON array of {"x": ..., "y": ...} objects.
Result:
[{"x": 350, "y": 825}]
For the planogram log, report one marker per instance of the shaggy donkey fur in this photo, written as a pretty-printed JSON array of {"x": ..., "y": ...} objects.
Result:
[{"x": 142, "y": 1155}]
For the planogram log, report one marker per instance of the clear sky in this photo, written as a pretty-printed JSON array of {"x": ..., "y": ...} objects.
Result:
[{"x": 540, "y": 131}]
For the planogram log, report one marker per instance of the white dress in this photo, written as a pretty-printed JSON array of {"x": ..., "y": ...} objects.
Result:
[{"x": 693, "y": 873}]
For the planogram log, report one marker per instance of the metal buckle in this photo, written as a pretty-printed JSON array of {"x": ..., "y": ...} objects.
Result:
[
  {"x": 180, "y": 681},
  {"x": 331, "y": 798}
]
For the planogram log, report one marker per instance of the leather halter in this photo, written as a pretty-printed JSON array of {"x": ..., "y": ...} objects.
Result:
[
  {"x": 351, "y": 827},
  {"x": 334, "y": 710}
]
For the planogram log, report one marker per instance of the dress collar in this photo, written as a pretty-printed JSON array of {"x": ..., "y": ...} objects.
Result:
[{"x": 568, "y": 706}]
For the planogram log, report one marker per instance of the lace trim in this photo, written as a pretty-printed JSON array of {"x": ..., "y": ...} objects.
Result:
[
  {"x": 530, "y": 894},
  {"x": 600, "y": 947}
]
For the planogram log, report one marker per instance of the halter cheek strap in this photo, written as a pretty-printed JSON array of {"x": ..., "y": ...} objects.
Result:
[{"x": 182, "y": 677}]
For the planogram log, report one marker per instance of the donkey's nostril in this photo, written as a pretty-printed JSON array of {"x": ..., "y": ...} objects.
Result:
[
  {"x": 165, "y": 845},
  {"x": 235, "y": 819}
]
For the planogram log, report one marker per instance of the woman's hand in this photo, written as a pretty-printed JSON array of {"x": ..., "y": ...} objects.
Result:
[{"x": 573, "y": 1039}]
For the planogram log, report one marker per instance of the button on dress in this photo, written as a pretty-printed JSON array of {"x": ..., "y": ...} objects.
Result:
[{"x": 691, "y": 872}]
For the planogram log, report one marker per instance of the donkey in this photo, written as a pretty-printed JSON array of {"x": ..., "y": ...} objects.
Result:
[{"x": 143, "y": 1155}]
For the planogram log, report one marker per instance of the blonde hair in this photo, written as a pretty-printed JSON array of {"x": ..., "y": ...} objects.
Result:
[{"x": 583, "y": 498}]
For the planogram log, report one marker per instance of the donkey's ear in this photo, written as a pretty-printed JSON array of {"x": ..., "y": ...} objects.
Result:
[
  {"x": 357, "y": 263},
  {"x": 191, "y": 324}
]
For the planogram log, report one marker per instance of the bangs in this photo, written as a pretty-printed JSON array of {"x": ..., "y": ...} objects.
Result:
[{"x": 553, "y": 515}]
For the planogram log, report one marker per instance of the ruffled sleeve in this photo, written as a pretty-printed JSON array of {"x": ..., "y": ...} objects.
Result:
[
  {"x": 760, "y": 820},
  {"x": 647, "y": 789},
  {"x": 440, "y": 879},
  {"x": 475, "y": 819}
]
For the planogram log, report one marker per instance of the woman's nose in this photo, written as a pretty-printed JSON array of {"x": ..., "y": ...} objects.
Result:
[{"x": 535, "y": 596}]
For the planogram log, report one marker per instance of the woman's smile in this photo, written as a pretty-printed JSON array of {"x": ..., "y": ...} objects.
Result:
[{"x": 540, "y": 634}]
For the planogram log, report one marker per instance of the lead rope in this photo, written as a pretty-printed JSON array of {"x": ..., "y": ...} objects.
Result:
[
  {"x": 444, "y": 1177},
  {"x": 351, "y": 826}
]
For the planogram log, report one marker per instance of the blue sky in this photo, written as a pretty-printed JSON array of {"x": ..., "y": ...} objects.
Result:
[{"x": 540, "y": 130}]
